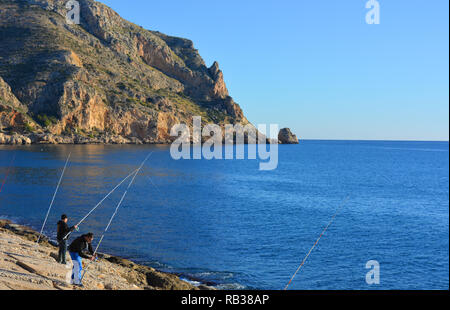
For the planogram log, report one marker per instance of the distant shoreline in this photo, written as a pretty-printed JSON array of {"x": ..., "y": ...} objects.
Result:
[
  {"x": 61, "y": 140},
  {"x": 166, "y": 143}
]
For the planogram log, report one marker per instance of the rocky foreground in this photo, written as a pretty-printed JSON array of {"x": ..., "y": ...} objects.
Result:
[{"x": 24, "y": 265}]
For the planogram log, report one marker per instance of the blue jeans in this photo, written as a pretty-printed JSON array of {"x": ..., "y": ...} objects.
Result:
[{"x": 77, "y": 267}]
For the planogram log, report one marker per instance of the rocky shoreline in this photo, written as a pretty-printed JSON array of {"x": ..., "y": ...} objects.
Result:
[
  {"x": 47, "y": 138},
  {"x": 26, "y": 266},
  {"x": 285, "y": 137}
]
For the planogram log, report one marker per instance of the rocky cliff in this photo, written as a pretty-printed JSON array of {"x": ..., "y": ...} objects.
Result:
[{"x": 105, "y": 80}]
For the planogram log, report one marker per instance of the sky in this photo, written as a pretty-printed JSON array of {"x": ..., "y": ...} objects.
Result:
[{"x": 317, "y": 66}]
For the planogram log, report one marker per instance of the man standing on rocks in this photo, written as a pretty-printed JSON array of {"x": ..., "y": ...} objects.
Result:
[
  {"x": 77, "y": 250},
  {"x": 63, "y": 230}
]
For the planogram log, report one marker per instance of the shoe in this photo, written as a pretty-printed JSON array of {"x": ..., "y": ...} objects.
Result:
[{"x": 79, "y": 285}]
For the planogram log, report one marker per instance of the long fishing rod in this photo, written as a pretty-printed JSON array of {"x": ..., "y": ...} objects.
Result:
[
  {"x": 317, "y": 242},
  {"x": 7, "y": 172},
  {"x": 53, "y": 199},
  {"x": 101, "y": 201},
  {"x": 114, "y": 214}
]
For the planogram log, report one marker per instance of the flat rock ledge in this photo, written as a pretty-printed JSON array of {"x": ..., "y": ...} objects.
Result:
[{"x": 24, "y": 265}]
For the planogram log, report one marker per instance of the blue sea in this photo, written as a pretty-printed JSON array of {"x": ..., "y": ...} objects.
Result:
[{"x": 224, "y": 222}]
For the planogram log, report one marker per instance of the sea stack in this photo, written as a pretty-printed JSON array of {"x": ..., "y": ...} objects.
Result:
[{"x": 287, "y": 137}]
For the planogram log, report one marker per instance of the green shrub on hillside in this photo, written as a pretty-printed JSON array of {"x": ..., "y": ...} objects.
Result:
[{"x": 46, "y": 121}]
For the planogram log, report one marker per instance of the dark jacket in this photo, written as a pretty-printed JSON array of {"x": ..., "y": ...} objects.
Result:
[
  {"x": 63, "y": 230},
  {"x": 81, "y": 246}
]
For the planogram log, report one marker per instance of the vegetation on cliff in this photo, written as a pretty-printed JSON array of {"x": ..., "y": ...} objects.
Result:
[{"x": 105, "y": 80}]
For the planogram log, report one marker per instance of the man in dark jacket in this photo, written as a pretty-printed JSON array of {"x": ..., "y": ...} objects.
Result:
[
  {"x": 63, "y": 230},
  {"x": 81, "y": 247}
]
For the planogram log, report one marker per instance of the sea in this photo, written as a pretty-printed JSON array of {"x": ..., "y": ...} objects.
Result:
[{"x": 228, "y": 224}]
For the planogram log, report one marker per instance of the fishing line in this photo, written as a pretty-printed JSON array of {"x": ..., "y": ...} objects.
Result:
[
  {"x": 115, "y": 212},
  {"x": 53, "y": 199},
  {"x": 101, "y": 201},
  {"x": 317, "y": 242}
]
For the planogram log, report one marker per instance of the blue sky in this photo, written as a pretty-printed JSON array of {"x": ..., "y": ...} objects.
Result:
[{"x": 316, "y": 66}]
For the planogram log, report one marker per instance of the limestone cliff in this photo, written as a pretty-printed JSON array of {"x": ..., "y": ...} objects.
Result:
[{"x": 106, "y": 80}]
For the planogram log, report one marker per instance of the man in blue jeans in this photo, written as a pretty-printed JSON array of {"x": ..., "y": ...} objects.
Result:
[{"x": 80, "y": 248}]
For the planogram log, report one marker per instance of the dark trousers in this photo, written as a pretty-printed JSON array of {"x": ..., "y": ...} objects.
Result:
[{"x": 62, "y": 251}]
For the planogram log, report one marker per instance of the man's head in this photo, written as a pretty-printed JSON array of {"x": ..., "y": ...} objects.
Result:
[
  {"x": 64, "y": 218},
  {"x": 89, "y": 237}
]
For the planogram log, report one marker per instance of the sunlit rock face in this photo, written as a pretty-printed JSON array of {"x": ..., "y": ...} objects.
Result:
[{"x": 106, "y": 79}]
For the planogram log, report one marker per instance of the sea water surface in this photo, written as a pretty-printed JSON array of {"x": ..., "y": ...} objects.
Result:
[{"x": 227, "y": 223}]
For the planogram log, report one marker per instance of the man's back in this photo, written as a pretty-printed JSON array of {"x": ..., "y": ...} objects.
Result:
[
  {"x": 62, "y": 230},
  {"x": 80, "y": 245}
]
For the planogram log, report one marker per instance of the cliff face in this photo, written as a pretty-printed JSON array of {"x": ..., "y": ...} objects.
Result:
[
  {"x": 105, "y": 80},
  {"x": 13, "y": 115}
]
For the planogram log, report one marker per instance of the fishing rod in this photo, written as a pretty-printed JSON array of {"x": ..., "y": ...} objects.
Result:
[
  {"x": 317, "y": 242},
  {"x": 114, "y": 214},
  {"x": 53, "y": 199},
  {"x": 101, "y": 201},
  {"x": 7, "y": 172}
]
